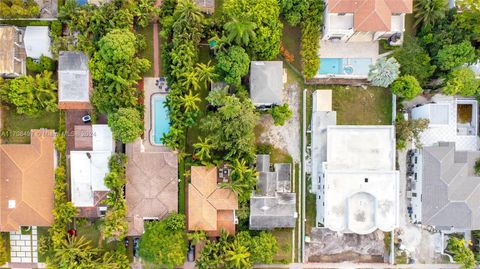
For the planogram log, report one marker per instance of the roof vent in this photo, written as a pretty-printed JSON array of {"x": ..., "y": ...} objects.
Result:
[
  {"x": 265, "y": 208},
  {"x": 366, "y": 180},
  {"x": 11, "y": 204}
]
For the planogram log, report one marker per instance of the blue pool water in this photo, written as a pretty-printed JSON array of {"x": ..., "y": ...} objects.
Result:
[
  {"x": 81, "y": 2},
  {"x": 344, "y": 66},
  {"x": 161, "y": 121}
]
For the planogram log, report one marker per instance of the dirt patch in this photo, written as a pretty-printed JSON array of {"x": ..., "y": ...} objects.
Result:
[
  {"x": 286, "y": 137},
  {"x": 348, "y": 256}
]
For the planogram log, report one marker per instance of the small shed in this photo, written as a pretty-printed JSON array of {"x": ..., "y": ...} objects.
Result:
[
  {"x": 37, "y": 41},
  {"x": 266, "y": 83}
]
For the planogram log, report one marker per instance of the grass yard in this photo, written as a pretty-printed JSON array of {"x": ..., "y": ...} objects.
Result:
[
  {"x": 409, "y": 25},
  {"x": 284, "y": 239},
  {"x": 310, "y": 208},
  {"x": 91, "y": 232},
  {"x": 147, "y": 32},
  {"x": 16, "y": 128},
  {"x": 291, "y": 40},
  {"x": 181, "y": 187}
]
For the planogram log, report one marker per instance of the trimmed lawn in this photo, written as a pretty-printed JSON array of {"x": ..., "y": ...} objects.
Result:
[
  {"x": 42, "y": 233},
  {"x": 284, "y": 239},
  {"x": 147, "y": 32},
  {"x": 16, "y": 128},
  {"x": 91, "y": 232}
]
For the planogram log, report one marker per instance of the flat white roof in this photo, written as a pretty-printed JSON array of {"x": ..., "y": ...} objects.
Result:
[
  {"x": 102, "y": 138},
  {"x": 322, "y": 100},
  {"x": 361, "y": 184},
  {"x": 88, "y": 170},
  {"x": 354, "y": 148},
  {"x": 37, "y": 41},
  {"x": 443, "y": 126}
]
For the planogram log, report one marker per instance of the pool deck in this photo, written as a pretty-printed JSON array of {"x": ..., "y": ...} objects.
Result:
[
  {"x": 340, "y": 49},
  {"x": 150, "y": 89}
]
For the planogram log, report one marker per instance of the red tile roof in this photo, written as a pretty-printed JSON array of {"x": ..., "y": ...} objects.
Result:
[{"x": 371, "y": 15}]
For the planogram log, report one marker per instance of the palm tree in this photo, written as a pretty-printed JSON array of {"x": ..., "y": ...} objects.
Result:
[
  {"x": 197, "y": 237},
  {"x": 187, "y": 10},
  {"x": 240, "y": 31},
  {"x": 191, "y": 80},
  {"x": 206, "y": 73},
  {"x": 203, "y": 149},
  {"x": 189, "y": 101},
  {"x": 428, "y": 12},
  {"x": 238, "y": 256},
  {"x": 76, "y": 252}
]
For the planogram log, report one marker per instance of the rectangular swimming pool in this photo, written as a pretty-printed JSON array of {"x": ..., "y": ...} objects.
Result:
[
  {"x": 160, "y": 119},
  {"x": 344, "y": 66}
]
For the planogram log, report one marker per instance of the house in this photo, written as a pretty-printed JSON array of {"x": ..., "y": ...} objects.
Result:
[
  {"x": 12, "y": 52},
  {"x": 443, "y": 190},
  {"x": 353, "y": 168},
  {"x": 210, "y": 207},
  {"x": 207, "y": 6},
  {"x": 74, "y": 83},
  {"x": 88, "y": 169},
  {"x": 152, "y": 186},
  {"x": 37, "y": 41},
  {"x": 451, "y": 119},
  {"x": 366, "y": 20},
  {"x": 273, "y": 204},
  {"x": 266, "y": 83},
  {"x": 27, "y": 182}
]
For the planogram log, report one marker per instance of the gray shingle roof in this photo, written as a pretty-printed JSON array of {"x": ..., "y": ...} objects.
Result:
[
  {"x": 73, "y": 77},
  {"x": 266, "y": 82},
  {"x": 273, "y": 205},
  {"x": 450, "y": 189}
]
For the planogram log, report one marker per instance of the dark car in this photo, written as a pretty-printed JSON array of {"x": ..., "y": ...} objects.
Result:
[{"x": 135, "y": 247}]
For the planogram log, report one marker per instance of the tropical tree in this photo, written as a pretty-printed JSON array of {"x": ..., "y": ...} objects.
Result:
[
  {"x": 126, "y": 124},
  {"x": 428, "y": 12},
  {"x": 233, "y": 64},
  {"x": 197, "y": 237},
  {"x": 461, "y": 252},
  {"x": 203, "y": 149},
  {"x": 310, "y": 36},
  {"x": 240, "y": 32},
  {"x": 280, "y": 114},
  {"x": 206, "y": 73},
  {"x": 293, "y": 10},
  {"x": 455, "y": 55},
  {"x": 406, "y": 87},
  {"x": 191, "y": 80},
  {"x": 410, "y": 131},
  {"x": 244, "y": 179},
  {"x": 462, "y": 81},
  {"x": 384, "y": 72},
  {"x": 76, "y": 252},
  {"x": 188, "y": 11},
  {"x": 189, "y": 101},
  {"x": 237, "y": 256}
]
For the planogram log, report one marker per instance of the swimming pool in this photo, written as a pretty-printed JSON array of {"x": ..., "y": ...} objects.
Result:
[
  {"x": 160, "y": 119},
  {"x": 344, "y": 67}
]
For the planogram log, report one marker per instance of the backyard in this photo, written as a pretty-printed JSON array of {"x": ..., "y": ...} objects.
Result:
[
  {"x": 284, "y": 239},
  {"x": 147, "y": 53},
  {"x": 16, "y": 128}
]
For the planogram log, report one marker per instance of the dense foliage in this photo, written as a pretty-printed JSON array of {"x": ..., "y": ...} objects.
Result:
[
  {"x": 429, "y": 12},
  {"x": 43, "y": 64},
  {"x": 30, "y": 94},
  {"x": 18, "y": 9},
  {"x": 115, "y": 71},
  {"x": 406, "y": 87},
  {"x": 384, "y": 72},
  {"x": 461, "y": 252},
  {"x": 293, "y": 10},
  {"x": 311, "y": 26},
  {"x": 462, "y": 81},
  {"x": 230, "y": 127},
  {"x": 238, "y": 252},
  {"x": 280, "y": 114},
  {"x": 115, "y": 225},
  {"x": 414, "y": 60},
  {"x": 233, "y": 65},
  {"x": 265, "y": 43},
  {"x": 126, "y": 124},
  {"x": 164, "y": 242},
  {"x": 3, "y": 251},
  {"x": 455, "y": 55}
]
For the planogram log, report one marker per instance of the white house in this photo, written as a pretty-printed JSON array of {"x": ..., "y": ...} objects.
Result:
[{"x": 37, "y": 41}]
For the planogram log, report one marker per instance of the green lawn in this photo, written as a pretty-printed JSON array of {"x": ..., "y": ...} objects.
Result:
[
  {"x": 181, "y": 187},
  {"x": 16, "y": 127},
  {"x": 284, "y": 239},
  {"x": 147, "y": 32},
  {"x": 42, "y": 233},
  {"x": 310, "y": 208},
  {"x": 91, "y": 232},
  {"x": 291, "y": 40}
]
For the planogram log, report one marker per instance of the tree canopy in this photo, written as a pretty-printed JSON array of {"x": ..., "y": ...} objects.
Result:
[
  {"x": 462, "y": 81},
  {"x": 280, "y": 114},
  {"x": 293, "y": 10},
  {"x": 384, "y": 72},
  {"x": 233, "y": 64},
  {"x": 164, "y": 242},
  {"x": 126, "y": 124},
  {"x": 455, "y": 55},
  {"x": 406, "y": 87},
  {"x": 461, "y": 252}
]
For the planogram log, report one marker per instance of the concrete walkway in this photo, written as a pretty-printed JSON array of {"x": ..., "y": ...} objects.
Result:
[
  {"x": 23, "y": 248},
  {"x": 356, "y": 265}
]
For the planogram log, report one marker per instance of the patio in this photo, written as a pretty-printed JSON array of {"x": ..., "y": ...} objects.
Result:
[{"x": 151, "y": 86}]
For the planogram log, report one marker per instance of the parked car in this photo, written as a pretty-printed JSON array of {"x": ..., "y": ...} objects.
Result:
[{"x": 87, "y": 118}]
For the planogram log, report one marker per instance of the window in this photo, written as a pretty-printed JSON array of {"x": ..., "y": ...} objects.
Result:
[
  {"x": 414, "y": 194},
  {"x": 366, "y": 180},
  {"x": 415, "y": 176},
  {"x": 319, "y": 197},
  {"x": 416, "y": 159}
]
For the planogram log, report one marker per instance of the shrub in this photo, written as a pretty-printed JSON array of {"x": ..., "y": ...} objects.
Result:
[
  {"x": 461, "y": 81},
  {"x": 19, "y": 9},
  {"x": 126, "y": 124},
  {"x": 406, "y": 87},
  {"x": 477, "y": 167},
  {"x": 414, "y": 60},
  {"x": 233, "y": 64},
  {"x": 287, "y": 56},
  {"x": 455, "y": 55},
  {"x": 44, "y": 64},
  {"x": 280, "y": 114},
  {"x": 3, "y": 251},
  {"x": 310, "y": 36}
]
